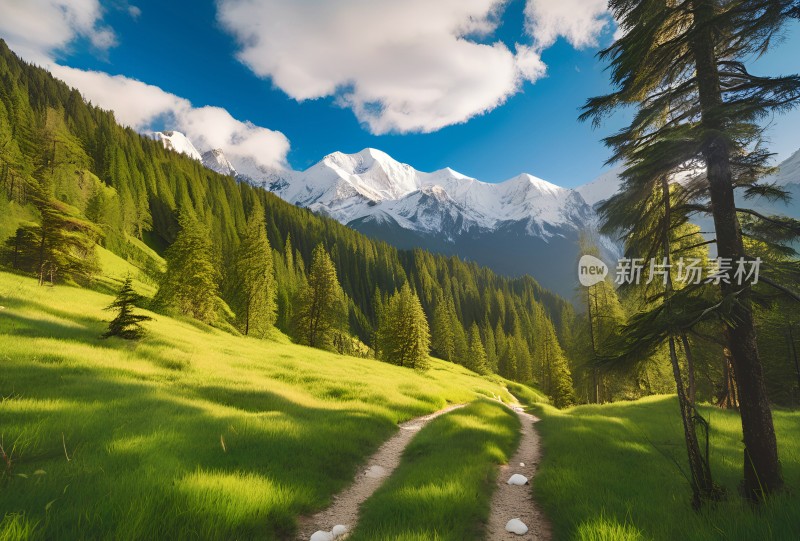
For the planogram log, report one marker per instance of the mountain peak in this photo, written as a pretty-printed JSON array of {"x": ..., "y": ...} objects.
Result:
[
  {"x": 541, "y": 185},
  {"x": 216, "y": 160},
  {"x": 178, "y": 142}
]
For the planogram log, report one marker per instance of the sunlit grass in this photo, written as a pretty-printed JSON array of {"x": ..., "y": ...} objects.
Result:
[
  {"x": 612, "y": 472},
  {"x": 443, "y": 486},
  {"x": 189, "y": 433}
]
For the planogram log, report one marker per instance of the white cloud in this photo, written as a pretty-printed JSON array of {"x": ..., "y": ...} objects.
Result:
[
  {"x": 579, "y": 21},
  {"x": 36, "y": 29},
  {"x": 140, "y": 105},
  {"x": 400, "y": 66},
  {"x": 134, "y": 11}
]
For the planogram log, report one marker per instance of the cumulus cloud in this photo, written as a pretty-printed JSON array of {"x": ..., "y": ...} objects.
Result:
[
  {"x": 140, "y": 106},
  {"x": 579, "y": 21},
  {"x": 403, "y": 66},
  {"x": 39, "y": 28}
]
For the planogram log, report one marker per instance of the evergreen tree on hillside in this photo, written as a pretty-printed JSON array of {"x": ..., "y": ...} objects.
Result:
[
  {"x": 321, "y": 310},
  {"x": 190, "y": 282},
  {"x": 490, "y": 345},
  {"x": 255, "y": 278},
  {"x": 476, "y": 354},
  {"x": 126, "y": 324},
  {"x": 443, "y": 341},
  {"x": 60, "y": 247},
  {"x": 404, "y": 336}
]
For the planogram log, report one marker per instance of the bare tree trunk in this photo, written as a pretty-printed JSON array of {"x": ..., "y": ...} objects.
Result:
[
  {"x": 728, "y": 399},
  {"x": 703, "y": 488},
  {"x": 793, "y": 350},
  {"x": 594, "y": 348},
  {"x": 692, "y": 391},
  {"x": 762, "y": 472}
]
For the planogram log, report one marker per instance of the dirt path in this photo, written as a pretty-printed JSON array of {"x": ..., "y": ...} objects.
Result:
[
  {"x": 511, "y": 501},
  {"x": 345, "y": 506}
]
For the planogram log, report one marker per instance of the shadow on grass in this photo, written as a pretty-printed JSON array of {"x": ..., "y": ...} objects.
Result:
[{"x": 211, "y": 462}]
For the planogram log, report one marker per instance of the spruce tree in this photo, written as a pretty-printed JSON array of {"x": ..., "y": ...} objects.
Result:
[
  {"x": 126, "y": 324},
  {"x": 476, "y": 354},
  {"x": 404, "y": 336},
  {"x": 255, "y": 305},
  {"x": 321, "y": 310},
  {"x": 682, "y": 64},
  {"x": 189, "y": 284},
  {"x": 443, "y": 341}
]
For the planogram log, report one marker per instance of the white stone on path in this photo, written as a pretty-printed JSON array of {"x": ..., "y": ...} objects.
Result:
[
  {"x": 376, "y": 472},
  {"x": 521, "y": 464},
  {"x": 516, "y": 526},
  {"x": 319, "y": 535},
  {"x": 518, "y": 479},
  {"x": 339, "y": 530}
]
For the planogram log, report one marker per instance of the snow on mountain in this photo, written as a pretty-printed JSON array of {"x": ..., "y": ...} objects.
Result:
[
  {"x": 601, "y": 188},
  {"x": 175, "y": 140},
  {"x": 371, "y": 185},
  {"x": 788, "y": 171},
  {"x": 216, "y": 161}
]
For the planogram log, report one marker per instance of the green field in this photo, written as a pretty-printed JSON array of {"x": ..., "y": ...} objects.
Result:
[
  {"x": 190, "y": 433},
  {"x": 609, "y": 473}
]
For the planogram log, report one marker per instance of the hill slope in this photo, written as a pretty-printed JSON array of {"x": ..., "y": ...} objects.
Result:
[
  {"x": 132, "y": 188},
  {"x": 191, "y": 432}
]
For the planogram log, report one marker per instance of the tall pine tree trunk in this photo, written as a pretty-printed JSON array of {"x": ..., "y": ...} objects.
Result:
[{"x": 762, "y": 473}]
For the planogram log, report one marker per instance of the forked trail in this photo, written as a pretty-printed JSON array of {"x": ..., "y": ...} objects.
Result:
[
  {"x": 511, "y": 501},
  {"x": 345, "y": 506}
]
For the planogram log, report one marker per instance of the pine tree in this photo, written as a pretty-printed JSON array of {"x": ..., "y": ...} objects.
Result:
[
  {"x": 62, "y": 245},
  {"x": 443, "y": 341},
  {"x": 321, "y": 309},
  {"x": 403, "y": 336},
  {"x": 491, "y": 346},
  {"x": 190, "y": 282},
  {"x": 255, "y": 278},
  {"x": 126, "y": 324},
  {"x": 476, "y": 354},
  {"x": 683, "y": 65}
]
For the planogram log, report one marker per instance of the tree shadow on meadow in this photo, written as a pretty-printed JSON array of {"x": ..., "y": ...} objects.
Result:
[{"x": 207, "y": 462}]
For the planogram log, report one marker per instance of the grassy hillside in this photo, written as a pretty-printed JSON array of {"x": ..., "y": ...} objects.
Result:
[
  {"x": 190, "y": 433},
  {"x": 611, "y": 473}
]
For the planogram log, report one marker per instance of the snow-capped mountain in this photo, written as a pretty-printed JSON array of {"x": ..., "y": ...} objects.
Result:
[
  {"x": 522, "y": 225},
  {"x": 372, "y": 186},
  {"x": 175, "y": 140},
  {"x": 216, "y": 161}
]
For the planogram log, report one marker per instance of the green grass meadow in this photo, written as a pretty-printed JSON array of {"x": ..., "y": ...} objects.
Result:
[
  {"x": 191, "y": 433},
  {"x": 442, "y": 489},
  {"x": 608, "y": 473}
]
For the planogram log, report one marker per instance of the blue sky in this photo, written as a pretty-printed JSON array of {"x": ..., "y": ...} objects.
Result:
[{"x": 187, "y": 50}]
